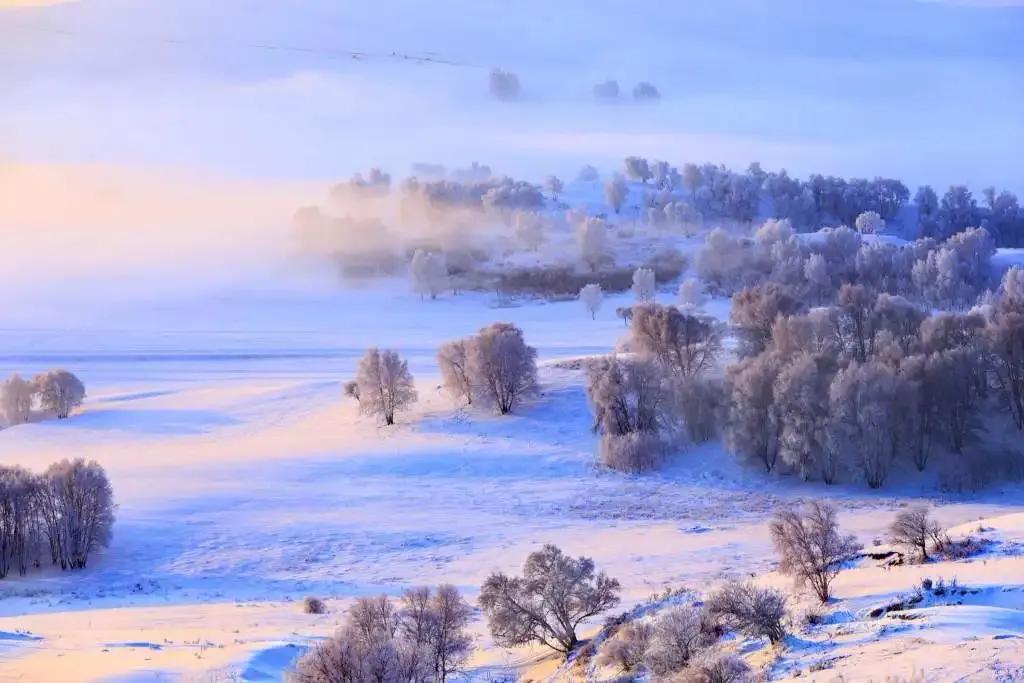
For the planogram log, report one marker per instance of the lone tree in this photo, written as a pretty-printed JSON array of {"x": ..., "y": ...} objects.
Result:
[
  {"x": 548, "y": 602},
  {"x": 810, "y": 547},
  {"x": 59, "y": 391},
  {"x": 502, "y": 367},
  {"x": 591, "y": 295},
  {"x": 384, "y": 384},
  {"x": 913, "y": 529}
]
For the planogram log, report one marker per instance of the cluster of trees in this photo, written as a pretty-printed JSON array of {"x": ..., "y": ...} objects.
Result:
[
  {"x": 812, "y": 268},
  {"x": 494, "y": 367},
  {"x": 66, "y": 512},
  {"x": 609, "y": 91},
  {"x": 421, "y": 639},
  {"x": 857, "y": 385},
  {"x": 502, "y": 193},
  {"x": 957, "y": 210},
  {"x": 647, "y": 403},
  {"x": 58, "y": 391}
]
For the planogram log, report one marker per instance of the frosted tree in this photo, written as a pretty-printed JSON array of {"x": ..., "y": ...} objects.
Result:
[
  {"x": 643, "y": 285},
  {"x": 692, "y": 178},
  {"x": 554, "y": 186},
  {"x": 591, "y": 296},
  {"x": 429, "y": 273},
  {"x": 817, "y": 276},
  {"x": 687, "y": 344},
  {"x": 385, "y": 384},
  {"x": 16, "y": 396},
  {"x": 592, "y": 236},
  {"x": 59, "y": 391},
  {"x": 453, "y": 359},
  {"x": 870, "y": 223},
  {"x": 529, "y": 229},
  {"x": 588, "y": 174},
  {"x": 754, "y": 311},
  {"x": 615, "y": 191},
  {"x": 927, "y": 203},
  {"x": 801, "y": 394},
  {"x": 645, "y": 92},
  {"x": 503, "y": 85},
  {"x": 691, "y": 295},
  {"x": 810, "y": 547},
  {"x": 77, "y": 504},
  {"x": 637, "y": 168},
  {"x": 754, "y": 425},
  {"x": 503, "y": 369}
]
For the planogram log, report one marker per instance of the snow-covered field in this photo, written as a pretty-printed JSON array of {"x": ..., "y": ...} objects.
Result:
[{"x": 245, "y": 483}]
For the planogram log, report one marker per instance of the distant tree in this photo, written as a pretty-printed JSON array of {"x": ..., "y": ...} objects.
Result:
[
  {"x": 548, "y": 602},
  {"x": 554, "y": 186},
  {"x": 643, "y": 285},
  {"x": 691, "y": 295},
  {"x": 502, "y": 367},
  {"x": 615, "y": 192},
  {"x": 592, "y": 236},
  {"x": 958, "y": 211},
  {"x": 385, "y": 384},
  {"x": 529, "y": 229},
  {"x": 692, "y": 178},
  {"x": 591, "y": 296},
  {"x": 429, "y": 273},
  {"x": 817, "y": 275},
  {"x": 661, "y": 172},
  {"x": 59, "y": 391},
  {"x": 644, "y": 91},
  {"x": 608, "y": 90},
  {"x": 870, "y": 223},
  {"x": 504, "y": 85},
  {"x": 626, "y": 313},
  {"x": 914, "y": 528},
  {"x": 810, "y": 547},
  {"x": 589, "y": 174},
  {"x": 927, "y": 203},
  {"x": 637, "y": 168},
  {"x": 16, "y": 396},
  {"x": 749, "y": 609},
  {"x": 351, "y": 389}
]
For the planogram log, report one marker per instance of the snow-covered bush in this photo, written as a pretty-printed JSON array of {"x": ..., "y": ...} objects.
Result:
[
  {"x": 678, "y": 635},
  {"x": 717, "y": 666},
  {"x": 503, "y": 85},
  {"x": 632, "y": 453},
  {"x": 502, "y": 368},
  {"x": 546, "y": 605},
  {"x": 59, "y": 391},
  {"x": 915, "y": 529},
  {"x": 313, "y": 605},
  {"x": 385, "y": 384},
  {"x": 700, "y": 402},
  {"x": 16, "y": 395},
  {"x": 625, "y": 649},
  {"x": 810, "y": 547},
  {"x": 870, "y": 223},
  {"x": 749, "y": 609},
  {"x": 591, "y": 297}
]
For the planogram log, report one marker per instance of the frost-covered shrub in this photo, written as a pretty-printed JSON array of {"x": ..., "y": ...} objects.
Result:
[
  {"x": 503, "y": 85},
  {"x": 716, "y": 666},
  {"x": 502, "y": 368},
  {"x": 313, "y": 605},
  {"x": 749, "y": 609},
  {"x": 626, "y": 648},
  {"x": 632, "y": 453},
  {"x": 591, "y": 297},
  {"x": 810, "y": 547},
  {"x": 16, "y": 395},
  {"x": 870, "y": 223},
  {"x": 554, "y": 595},
  {"x": 385, "y": 384},
  {"x": 678, "y": 635},
  {"x": 59, "y": 391}
]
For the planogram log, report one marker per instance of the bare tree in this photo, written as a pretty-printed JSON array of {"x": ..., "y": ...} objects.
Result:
[
  {"x": 385, "y": 384},
  {"x": 548, "y": 602},
  {"x": 453, "y": 359},
  {"x": 685, "y": 343},
  {"x": 502, "y": 367},
  {"x": 59, "y": 391},
  {"x": 16, "y": 399},
  {"x": 749, "y": 609},
  {"x": 810, "y": 547},
  {"x": 913, "y": 529}
]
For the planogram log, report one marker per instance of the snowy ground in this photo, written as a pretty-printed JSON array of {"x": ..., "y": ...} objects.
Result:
[{"x": 245, "y": 483}]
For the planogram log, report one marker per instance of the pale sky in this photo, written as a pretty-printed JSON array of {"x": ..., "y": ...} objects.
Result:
[{"x": 926, "y": 91}]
